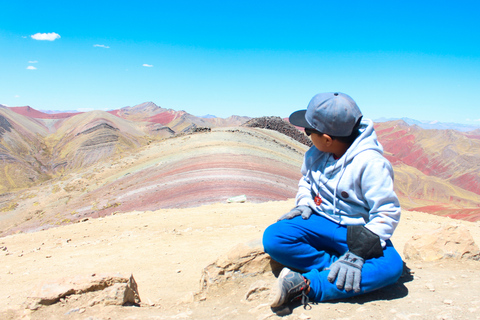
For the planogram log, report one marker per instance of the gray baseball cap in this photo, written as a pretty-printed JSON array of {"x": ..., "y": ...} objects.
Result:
[{"x": 333, "y": 113}]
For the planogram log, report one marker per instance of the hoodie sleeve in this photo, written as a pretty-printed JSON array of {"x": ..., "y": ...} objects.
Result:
[{"x": 377, "y": 186}]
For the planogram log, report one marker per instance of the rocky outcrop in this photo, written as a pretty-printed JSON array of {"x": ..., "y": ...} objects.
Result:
[
  {"x": 245, "y": 259},
  {"x": 450, "y": 242},
  {"x": 4, "y": 125},
  {"x": 86, "y": 291},
  {"x": 98, "y": 127},
  {"x": 278, "y": 124}
]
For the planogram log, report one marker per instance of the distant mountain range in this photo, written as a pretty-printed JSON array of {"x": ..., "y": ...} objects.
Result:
[
  {"x": 435, "y": 124},
  {"x": 424, "y": 124},
  {"x": 36, "y": 146}
]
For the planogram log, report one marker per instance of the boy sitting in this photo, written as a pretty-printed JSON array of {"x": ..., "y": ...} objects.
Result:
[{"x": 337, "y": 237}]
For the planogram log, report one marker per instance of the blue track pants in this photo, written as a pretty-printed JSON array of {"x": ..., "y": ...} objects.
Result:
[{"x": 314, "y": 244}]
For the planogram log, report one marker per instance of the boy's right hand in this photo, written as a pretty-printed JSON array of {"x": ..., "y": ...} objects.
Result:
[{"x": 304, "y": 211}]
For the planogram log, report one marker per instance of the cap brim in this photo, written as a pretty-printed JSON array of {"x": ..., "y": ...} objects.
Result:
[{"x": 298, "y": 119}]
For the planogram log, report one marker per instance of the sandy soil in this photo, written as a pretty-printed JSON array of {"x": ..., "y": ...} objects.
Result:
[{"x": 166, "y": 250}]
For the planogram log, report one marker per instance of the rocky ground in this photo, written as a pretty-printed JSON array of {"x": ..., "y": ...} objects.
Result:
[{"x": 171, "y": 254}]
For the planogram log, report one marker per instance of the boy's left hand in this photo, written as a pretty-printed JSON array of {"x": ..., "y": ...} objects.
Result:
[{"x": 348, "y": 272}]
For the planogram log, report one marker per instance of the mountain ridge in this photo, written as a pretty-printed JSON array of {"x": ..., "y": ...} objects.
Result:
[
  {"x": 424, "y": 124},
  {"x": 435, "y": 169},
  {"x": 434, "y": 125}
]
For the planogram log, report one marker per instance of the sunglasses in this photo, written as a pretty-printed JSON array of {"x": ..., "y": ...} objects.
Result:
[{"x": 308, "y": 131}]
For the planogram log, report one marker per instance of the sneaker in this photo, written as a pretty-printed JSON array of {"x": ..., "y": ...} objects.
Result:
[{"x": 290, "y": 286}]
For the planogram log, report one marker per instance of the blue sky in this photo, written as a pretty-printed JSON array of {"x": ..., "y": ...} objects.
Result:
[{"x": 416, "y": 59}]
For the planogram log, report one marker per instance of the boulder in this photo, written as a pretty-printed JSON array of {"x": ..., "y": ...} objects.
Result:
[
  {"x": 101, "y": 289},
  {"x": 246, "y": 259},
  {"x": 448, "y": 242}
]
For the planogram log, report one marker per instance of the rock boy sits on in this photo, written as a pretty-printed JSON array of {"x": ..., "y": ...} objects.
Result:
[{"x": 337, "y": 237}]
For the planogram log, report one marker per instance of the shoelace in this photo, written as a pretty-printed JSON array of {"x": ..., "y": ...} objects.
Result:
[
  {"x": 303, "y": 297},
  {"x": 305, "y": 301}
]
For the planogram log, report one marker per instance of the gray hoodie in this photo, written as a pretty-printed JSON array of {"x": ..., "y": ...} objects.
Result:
[{"x": 356, "y": 189}]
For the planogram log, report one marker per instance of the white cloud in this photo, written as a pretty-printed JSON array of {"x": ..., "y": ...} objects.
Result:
[
  {"x": 101, "y": 46},
  {"x": 35, "y": 61},
  {"x": 45, "y": 36},
  {"x": 147, "y": 65},
  {"x": 31, "y": 68},
  {"x": 17, "y": 96}
]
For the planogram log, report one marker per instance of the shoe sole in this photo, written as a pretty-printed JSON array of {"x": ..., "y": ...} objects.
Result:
[{"x": 278, "y": 294}]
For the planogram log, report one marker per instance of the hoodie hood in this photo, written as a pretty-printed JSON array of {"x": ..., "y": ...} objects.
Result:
[{"x": 367, "y": 140}]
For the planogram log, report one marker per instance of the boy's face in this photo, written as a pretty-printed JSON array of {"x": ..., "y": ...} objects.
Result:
[
  {"x": 323, "y": 142},
  {"x": 319, "y": 141}
]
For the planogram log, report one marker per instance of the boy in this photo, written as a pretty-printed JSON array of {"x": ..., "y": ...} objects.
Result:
[{"x": 337, "y": 236}]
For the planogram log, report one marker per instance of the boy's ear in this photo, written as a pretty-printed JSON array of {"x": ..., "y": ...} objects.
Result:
[{"x": 328, "y": 139}]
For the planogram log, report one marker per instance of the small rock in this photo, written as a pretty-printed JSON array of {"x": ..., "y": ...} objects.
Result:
[
  {"x": 447, "y": 301},
  {"x": 72, "y": 311},
  {"x": 237, "y": 199},
  {"x": 256, "y": 287}
]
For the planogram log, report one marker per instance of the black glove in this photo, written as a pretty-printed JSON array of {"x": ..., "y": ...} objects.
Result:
[
  {"x": 363, "y": 244},
  {"x": 304, "y": 211}
]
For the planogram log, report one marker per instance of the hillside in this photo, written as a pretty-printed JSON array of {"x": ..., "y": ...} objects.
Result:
[
  {"x": 87, "y": 138},
  {"x": 436, "y": 170},
  {"x": 22, "y": 151},
  {"x": 183, "y": 171},
  {"x": 38, "y": 146}
]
